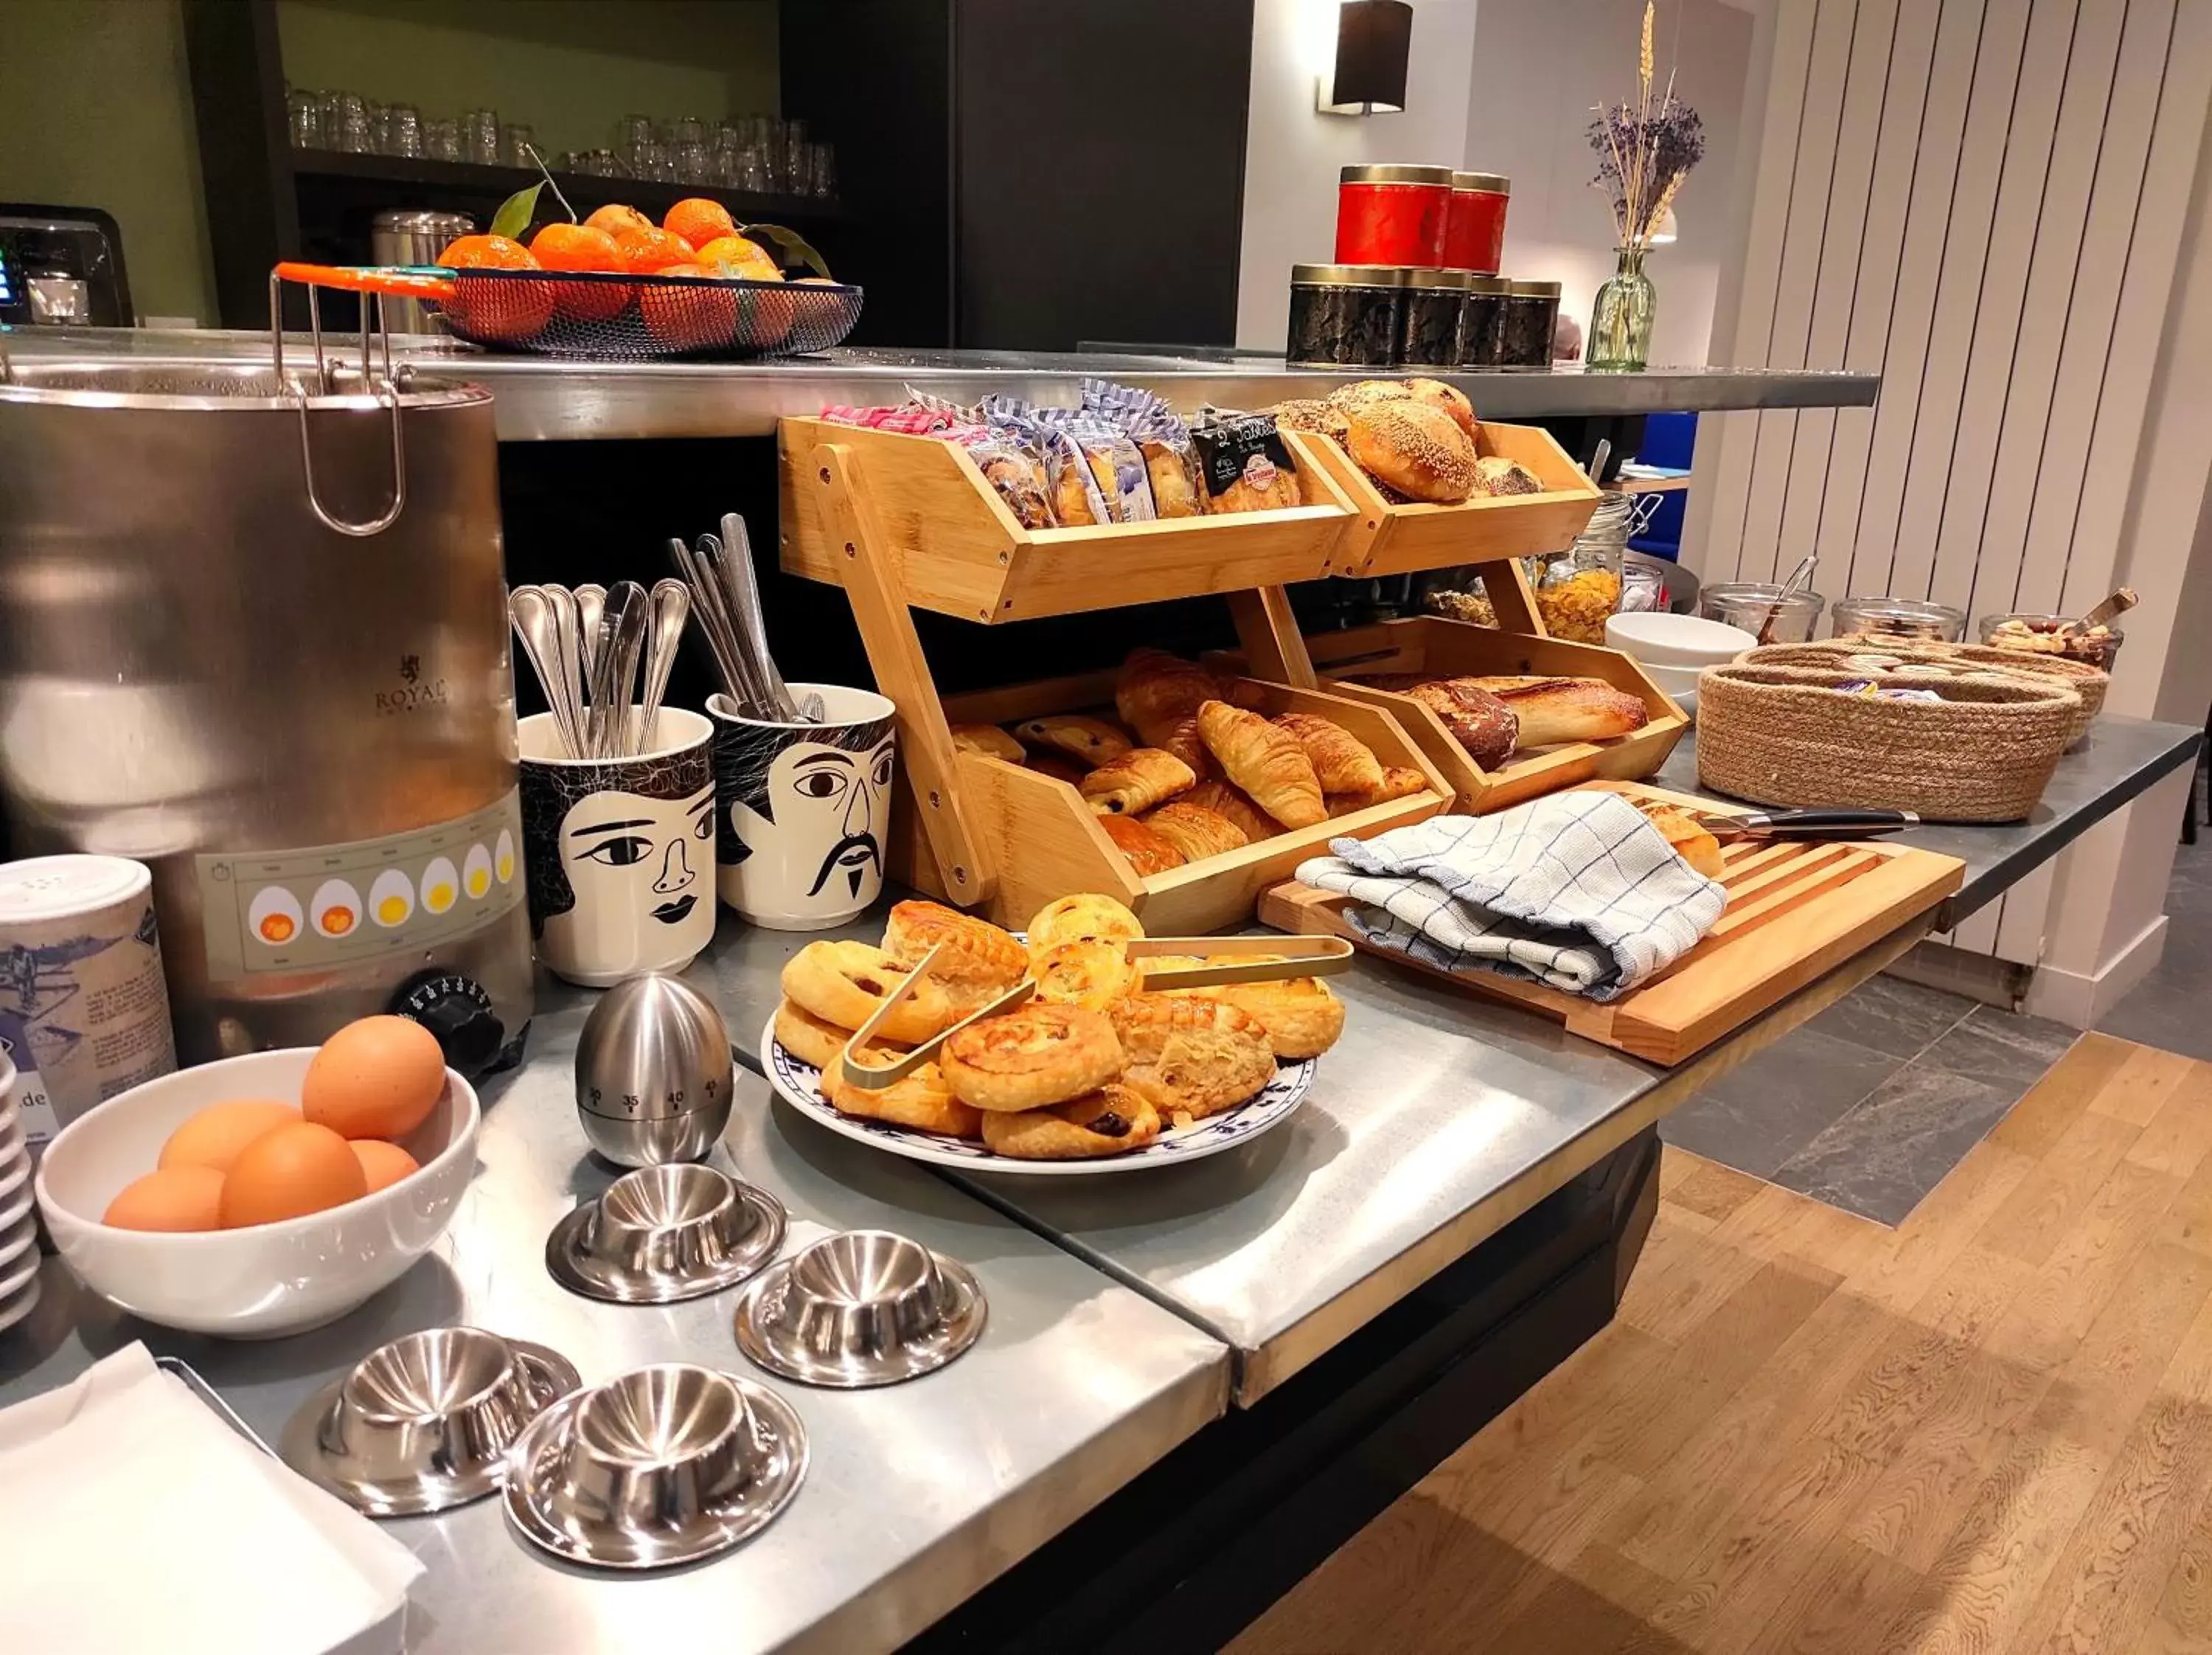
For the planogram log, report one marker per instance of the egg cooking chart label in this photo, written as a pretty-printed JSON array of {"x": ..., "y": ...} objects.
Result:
[{"x": 325, "y": 905}]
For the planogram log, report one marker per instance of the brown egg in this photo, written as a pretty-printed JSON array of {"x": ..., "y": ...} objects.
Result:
[
  {"x": 383, "y": 1165},
  {"x": 378, "y": 1078},
  {"x": 293, "y": 1170},
  {"x": 174, "y": 1198},
  {"x": 215, "y": 1136}
]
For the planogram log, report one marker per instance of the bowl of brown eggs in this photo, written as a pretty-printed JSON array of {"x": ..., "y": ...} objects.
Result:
[{"x": 262, "y": 1195}]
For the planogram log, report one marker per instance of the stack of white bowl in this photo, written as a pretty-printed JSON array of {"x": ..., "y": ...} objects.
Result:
[
  {"x": 1674, "y": 649},
  {"x": 19, "y": 1228}
]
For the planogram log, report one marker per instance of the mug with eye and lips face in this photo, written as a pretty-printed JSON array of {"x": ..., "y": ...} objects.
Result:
[
  {"x": 620, "y": 852},
  {"x": 806, "y": 809}
]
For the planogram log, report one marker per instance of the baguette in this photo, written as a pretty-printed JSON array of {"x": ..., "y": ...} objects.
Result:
[{"x": 1564, "y": 709}]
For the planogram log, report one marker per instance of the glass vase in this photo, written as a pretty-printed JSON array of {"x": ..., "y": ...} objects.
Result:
[{"x": 1620, "y": 321}]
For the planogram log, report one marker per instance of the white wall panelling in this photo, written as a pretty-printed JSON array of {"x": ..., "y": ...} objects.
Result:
[{"x": 1987, "y": 201}]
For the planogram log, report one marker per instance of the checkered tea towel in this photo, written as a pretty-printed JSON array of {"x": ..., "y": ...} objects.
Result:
[{"x": 1577, "y": 891}]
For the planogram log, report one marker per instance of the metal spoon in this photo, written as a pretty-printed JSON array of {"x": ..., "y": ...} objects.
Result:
[
  {"x": 603, "y": 681},
  {"x": 744, "y": 588},
  {"x": 711, "y": 597},
  {"x": 631, "y": 607},
  {"x": 687, "y": 567},
  {"x": 570, "y": 650},
  {"x": 671, "y": 608},
  {"x": 535, "y": 624},
  {"x": 591, "y": 605}
]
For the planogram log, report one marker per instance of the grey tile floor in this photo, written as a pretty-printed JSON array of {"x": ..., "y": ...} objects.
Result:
[{"x": 1871, "y": 1103}]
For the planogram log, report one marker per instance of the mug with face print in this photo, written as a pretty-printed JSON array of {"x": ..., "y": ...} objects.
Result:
[
  {"x": 806, "y": 809},
  {"x": 620, "y": 852}
]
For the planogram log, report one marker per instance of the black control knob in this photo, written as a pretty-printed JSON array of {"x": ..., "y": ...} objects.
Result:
[{"x": 456, "y": 1010}]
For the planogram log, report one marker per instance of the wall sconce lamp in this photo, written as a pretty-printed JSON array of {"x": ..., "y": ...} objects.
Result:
[{"x": 1374, "y": 41}]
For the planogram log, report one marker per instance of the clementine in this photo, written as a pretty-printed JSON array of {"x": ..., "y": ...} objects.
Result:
[
  {"x": 615, "y": 217},
  {"x": 496, "y": 309},
  {"x": 733, "y": 255},
  {"x": 698, "y": 220},
  {"x": 644, "y": 252},
  {"x": 486, "y": 253},
  {"x": 689, "y": 316},
  {"x": 581, "y": 247}
]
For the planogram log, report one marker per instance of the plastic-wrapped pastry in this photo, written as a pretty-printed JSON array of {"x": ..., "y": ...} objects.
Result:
[
  {"x": 1014, "y": 468},
  {"x": 1494, "y": 474},
  {"x": 1268, "y": 764},
  {"x": 1148, "y": 851},
  {"x": 1135, "y": 782},
  {"x": 1116, "y": 467},
  {"x": 988, "y": 738},
  {"x": 1071, "y": 486},
  {"x": 1170, "y": 463},
  {"x": 1245, "y": 463},
  {"x": 1090, "y": 741},
  {"x": 1342, "y": 762},
  {"x": 1195, "y": 831},
  {"x": 1220, "y": 797}
]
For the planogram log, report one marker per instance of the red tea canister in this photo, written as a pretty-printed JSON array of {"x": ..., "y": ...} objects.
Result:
[
  {"x": 1393, "y": 215},
  {"x": 1474, "y": 237}
]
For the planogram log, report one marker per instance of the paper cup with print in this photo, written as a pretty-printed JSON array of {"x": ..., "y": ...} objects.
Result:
[
  {"x": 806, "y": 809},
  {"x": 620, "y": 852}
]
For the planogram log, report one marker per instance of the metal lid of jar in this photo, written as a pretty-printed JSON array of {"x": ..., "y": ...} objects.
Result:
[
  {"x": 1349, "y": 276},
  {"x": 1493, "y": 183},
  {"x": 1428, "y": 275},
  {"x": 1397, "y": 173},
  {"x": 1486, "y": 284},
  {"x": 1533, "y": 289}
]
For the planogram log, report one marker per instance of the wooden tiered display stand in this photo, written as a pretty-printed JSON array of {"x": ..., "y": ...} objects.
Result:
[{"x": 905, "y": 522}]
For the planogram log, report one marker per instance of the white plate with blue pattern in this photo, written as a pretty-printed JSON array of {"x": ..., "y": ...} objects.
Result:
[{"x": 800, "y": 1085}]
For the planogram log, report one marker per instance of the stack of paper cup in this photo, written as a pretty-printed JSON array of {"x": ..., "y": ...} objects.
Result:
[{"x": 19, "y": 1234}]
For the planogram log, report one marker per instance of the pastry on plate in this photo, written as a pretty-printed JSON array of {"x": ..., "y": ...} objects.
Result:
[
  {"x": 1085, "y": 917},
  {"x": 1039, "y": 1055},
  {"x": 810, "y": 1038},
  {"x": 1450, "y": 397},
  {"x": 1090, "y": 741},
  {"x": 1190, "y": 1056},
  {"x": 1415, "y": 447},
  {"x": 922, "y": 1101},
  {"x": 1302, "y": 1018},
  {"x": 988, "y": 738},
  {"x": 1134, "y": 783},
  {"x": 1148, "y": 850},
  {"x": 1342, "y": 762},
  {"x": 1494, "y": 474},
  {"x": 1195, "y": 831},
  {"x": 848, "y": 982},
  {"x": 1091, "y": 975},
  {"x": 1234, "y": 803},
  {"x": 976, "y": 962},
  {"x": 1111, "y": 1121},
  {"x": 1266, "y": 763}
]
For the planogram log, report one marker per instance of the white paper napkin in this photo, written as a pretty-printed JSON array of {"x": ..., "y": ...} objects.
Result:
[{"x": 136, "y": 1520}]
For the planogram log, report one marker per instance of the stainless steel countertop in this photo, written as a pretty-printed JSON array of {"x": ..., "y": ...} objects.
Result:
[
  {"x": 538, "y": 398},
  {"x": 917, "y": 1494},
  {"x": 2120, "y": 760}
]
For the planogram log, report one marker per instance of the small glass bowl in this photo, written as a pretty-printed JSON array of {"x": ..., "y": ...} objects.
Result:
[{"x": 2053, "y": 635}]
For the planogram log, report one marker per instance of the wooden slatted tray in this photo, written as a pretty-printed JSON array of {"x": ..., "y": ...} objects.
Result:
[
  {"x": 1838, "y": 898},
  {"x": 1388, "y": 538}
]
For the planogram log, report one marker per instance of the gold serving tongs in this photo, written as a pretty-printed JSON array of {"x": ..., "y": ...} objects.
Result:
[{"x": 1311, "y": 956}]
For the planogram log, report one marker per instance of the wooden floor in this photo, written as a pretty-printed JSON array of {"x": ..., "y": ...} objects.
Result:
[{"x": 1987, "y": 1430}]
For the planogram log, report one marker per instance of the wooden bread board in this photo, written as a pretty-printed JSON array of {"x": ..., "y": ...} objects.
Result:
[{"x": 1837, "y": 899}]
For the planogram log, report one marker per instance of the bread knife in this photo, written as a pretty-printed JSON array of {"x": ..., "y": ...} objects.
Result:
[{"x": 1807, "y": 823}]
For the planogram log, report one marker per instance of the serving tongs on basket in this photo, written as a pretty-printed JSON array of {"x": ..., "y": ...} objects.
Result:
[{"x": 1312, "y": 956}]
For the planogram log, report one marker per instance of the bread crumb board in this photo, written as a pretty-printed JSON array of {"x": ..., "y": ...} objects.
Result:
[{"x": 1838, "y": 898}]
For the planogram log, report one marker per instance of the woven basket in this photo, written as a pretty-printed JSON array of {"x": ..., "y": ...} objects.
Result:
[
  {"x": 1781, "y": 735},
  {"x": 2086, "y": 681}
]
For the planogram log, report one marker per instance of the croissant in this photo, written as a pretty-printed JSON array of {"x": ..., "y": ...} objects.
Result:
[
  {"x": 1091, "y": 741},
  {"x": 1195, "y": 831},
  {"x": 1265, "y": 761},
  {"x": 1148, "y": 850},
  {"x": 1340, "y": 758},
  {"x": 1134, "y": 783},
  {"x": 1155, "y": 691},
  {"x": 1182, "y": 739},
  {"x": 1222, "y": 799}
]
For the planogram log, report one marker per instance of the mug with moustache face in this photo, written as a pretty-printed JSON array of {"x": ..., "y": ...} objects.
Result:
[
  {"x": 804, "y": 809},
  {"x": 620, "y": 852}
]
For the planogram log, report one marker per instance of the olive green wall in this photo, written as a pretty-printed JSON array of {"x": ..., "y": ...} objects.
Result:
[
  {"x": 95, "y": 110},
  {"x": 571, "y": 68}
]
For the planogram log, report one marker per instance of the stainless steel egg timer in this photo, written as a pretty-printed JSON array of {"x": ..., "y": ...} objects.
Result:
[{"x": 655, "y": 1075}]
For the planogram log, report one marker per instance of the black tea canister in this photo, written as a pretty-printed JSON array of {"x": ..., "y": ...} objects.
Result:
[
  {"x": 1345, "y": 316},
  {"x": 1481, "y": 332},
  {"x": 1429, "y": 318}
]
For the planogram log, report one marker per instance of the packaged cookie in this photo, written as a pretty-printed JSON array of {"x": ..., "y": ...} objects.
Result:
[
  {"x": 1071, "y": 484},
  {"x": 1161, "y": 436},
  {"x": 915, "y": 417},
  {"x": 1115, "y": 464},
  {"x": 1243, "y": 463},
  {"x": 1009, "y": 466}
]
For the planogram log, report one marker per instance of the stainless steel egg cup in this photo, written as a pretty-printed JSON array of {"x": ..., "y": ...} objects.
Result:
[
  {"x": 654, "y": 1074},
  {"x": 665, "y": 1233},
  {"x": 424, "y": 1422},
  {"x": 661, "y": 1466},
  {"x": 859, "y": 1309}
]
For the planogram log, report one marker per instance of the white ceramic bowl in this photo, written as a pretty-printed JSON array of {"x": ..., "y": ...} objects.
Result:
[
  {"x": 1677, "y": 681},
  {"x": 1677, "y": 639},
  {"x": 269, "y": 1280}
]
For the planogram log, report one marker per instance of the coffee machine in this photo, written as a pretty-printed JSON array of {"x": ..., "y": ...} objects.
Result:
[{"x": 61, "y": 266}]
